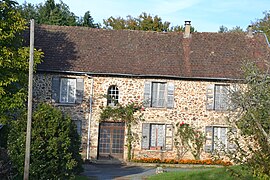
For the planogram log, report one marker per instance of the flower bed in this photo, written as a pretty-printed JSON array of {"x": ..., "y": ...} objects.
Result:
[{"x": 183, "y": 161}]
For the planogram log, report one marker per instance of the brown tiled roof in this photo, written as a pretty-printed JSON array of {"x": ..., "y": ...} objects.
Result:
[{"x": 204, "y": 55}]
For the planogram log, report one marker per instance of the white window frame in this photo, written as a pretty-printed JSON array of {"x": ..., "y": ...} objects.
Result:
[
  {"x": 221, "y": 97},
  {"x": 156, "y": 136},
  {"x": 113, "y": 95},
  {"x": 217, "y": 140},
  {"x": 159, "y": 94},
  {"x": 69, "y": 93}
]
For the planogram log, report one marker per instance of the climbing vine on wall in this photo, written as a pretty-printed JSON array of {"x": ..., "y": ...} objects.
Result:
[
  {"x": 130, "y": 113},
  {"x": 187, "y": 138}
]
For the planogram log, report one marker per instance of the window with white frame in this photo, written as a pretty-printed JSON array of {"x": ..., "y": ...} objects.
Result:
[
  {"x": 157, "y": 136},
  {"x": 217, "y": 138},
  {"x": 217, "y": 97},
  {"x": 113, "y": 95},
  {"x": 67, "y": 90},
  {"x": 159, "y": 94}
]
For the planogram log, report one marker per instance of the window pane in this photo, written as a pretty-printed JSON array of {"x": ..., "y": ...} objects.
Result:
[
  {"x": 221, "y": 97},
  {"x": 113, "y": 96},
  {"x": 220, "y": 138},
  {"x": 63, "y": 90},
  {"x": 157, "y": 135},
  {"x": 71, "y": 90},
  {"x": 160, "y": 136},
  {"x": 158, "y": 94},
  {"x": 153, "y": 137},
  {"x": 154, "y": 95}
]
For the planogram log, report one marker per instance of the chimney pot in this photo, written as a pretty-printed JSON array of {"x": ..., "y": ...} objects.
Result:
[
  {"x": 250, "y": 31},
  {"x": 187, "y": 29}
]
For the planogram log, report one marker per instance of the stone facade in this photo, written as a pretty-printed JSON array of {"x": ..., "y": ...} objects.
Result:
[{"x": 189, "y": 107}]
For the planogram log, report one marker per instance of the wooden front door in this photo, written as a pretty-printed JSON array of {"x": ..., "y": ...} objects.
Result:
[{"x": 111, "y": 140}]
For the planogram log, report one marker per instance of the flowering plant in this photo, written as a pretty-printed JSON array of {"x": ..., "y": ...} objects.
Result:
[
  {"x": 183, "y": 161},
  {"x": 188, "y": 139}
]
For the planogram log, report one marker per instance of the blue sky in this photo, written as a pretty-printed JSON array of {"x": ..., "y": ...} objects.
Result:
[{"x": 205, "y": 15}]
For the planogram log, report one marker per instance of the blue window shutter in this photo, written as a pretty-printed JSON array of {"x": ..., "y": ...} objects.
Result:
[
  {"x": 210, "y": 96},
  {"x": 55, "y": 89},
  {"x": 147, "y": 94},
  {"x": 145, "y": 135},
  {"x": 170, "y": 95},
  {"x": 79, "y": 90},
  {"x": 209, "y": 138}
]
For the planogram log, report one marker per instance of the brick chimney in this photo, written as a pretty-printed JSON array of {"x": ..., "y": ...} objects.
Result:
[
  {"x": 250, "y": 31},
  {"x": 187, "y": 29}
]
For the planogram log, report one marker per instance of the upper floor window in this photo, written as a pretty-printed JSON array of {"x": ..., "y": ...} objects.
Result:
[
  {"x": 113, "y": 95},
  {"x": 67, "y": 90},
  {"x": 217, "y": 97},
  {"x": 159, "y": 94}
]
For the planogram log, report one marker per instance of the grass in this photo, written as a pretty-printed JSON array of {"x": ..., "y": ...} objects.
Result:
[{"x": 198, "y": 174}]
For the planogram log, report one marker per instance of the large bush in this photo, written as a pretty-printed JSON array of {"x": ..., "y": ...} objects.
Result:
[
  {"x": 253, "y": 122},
  {"x": 54, "y": 145}
]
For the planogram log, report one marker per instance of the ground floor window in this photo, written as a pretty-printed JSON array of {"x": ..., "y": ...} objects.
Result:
[
  {"x": 157, "y": 136},
  {"x": 217, "y": 138}
]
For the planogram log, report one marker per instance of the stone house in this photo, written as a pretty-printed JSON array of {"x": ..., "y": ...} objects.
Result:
[{"x": 183, "y": 77}]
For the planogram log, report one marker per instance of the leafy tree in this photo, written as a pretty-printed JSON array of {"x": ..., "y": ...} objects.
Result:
[
  {"x": 224, "y": 29},
  {"x": 54, "y": 145},
  {"x": 28, "y": 11},
  {"x": 253, "y": 121},
  {"x": 55, "y": 14},
  {"x": 13, "y": 61},
  {"x": 263, "y": 24},
  {"x": 143, "y": 22},
  {"x": 87, "y": 21}
]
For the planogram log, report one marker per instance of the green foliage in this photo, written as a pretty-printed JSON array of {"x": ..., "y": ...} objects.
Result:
[
  {"x": 54, "y": 144},
  {"x": 263, "y": 24},
  {"x": 224, "y": 29},
  {"x": 87, "y": 21},
  {"x": 6, "y": 171},
  {"x": 253, "y": 120},
  {"x": 187, "y": 139},
  {"x": 13, "y": 61},
  {"x": 124, "y": 113},
  {"x": 200, "y": 174},
  {"x": 144, "y": 22},
  {"x": 55, "y": 14}
]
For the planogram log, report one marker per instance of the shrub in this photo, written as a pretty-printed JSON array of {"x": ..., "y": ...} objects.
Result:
[
  {"x": 54, "y": 145},
  {"x": 6, "y": 171},
  {"x": 187, "y": 138}
]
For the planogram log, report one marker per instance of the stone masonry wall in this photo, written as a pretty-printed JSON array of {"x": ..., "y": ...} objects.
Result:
[{"x": 189, "y": 107}]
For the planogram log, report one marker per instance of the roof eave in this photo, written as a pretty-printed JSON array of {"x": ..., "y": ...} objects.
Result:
[{"x": 140, "y": 75}]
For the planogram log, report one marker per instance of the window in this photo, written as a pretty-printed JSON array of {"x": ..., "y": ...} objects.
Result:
[
  {"x": 217, "y": 138},
  {"x": 113, "y": 96},
  {"x": 217, "y": 97},
  {"x": 159, "y": 94},
  {"x": 67, "y": 90},
  {"x": 157, "y": 136}
]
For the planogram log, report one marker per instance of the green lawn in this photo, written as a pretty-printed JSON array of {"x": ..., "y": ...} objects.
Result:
[{"x": 197, "y": 174}]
